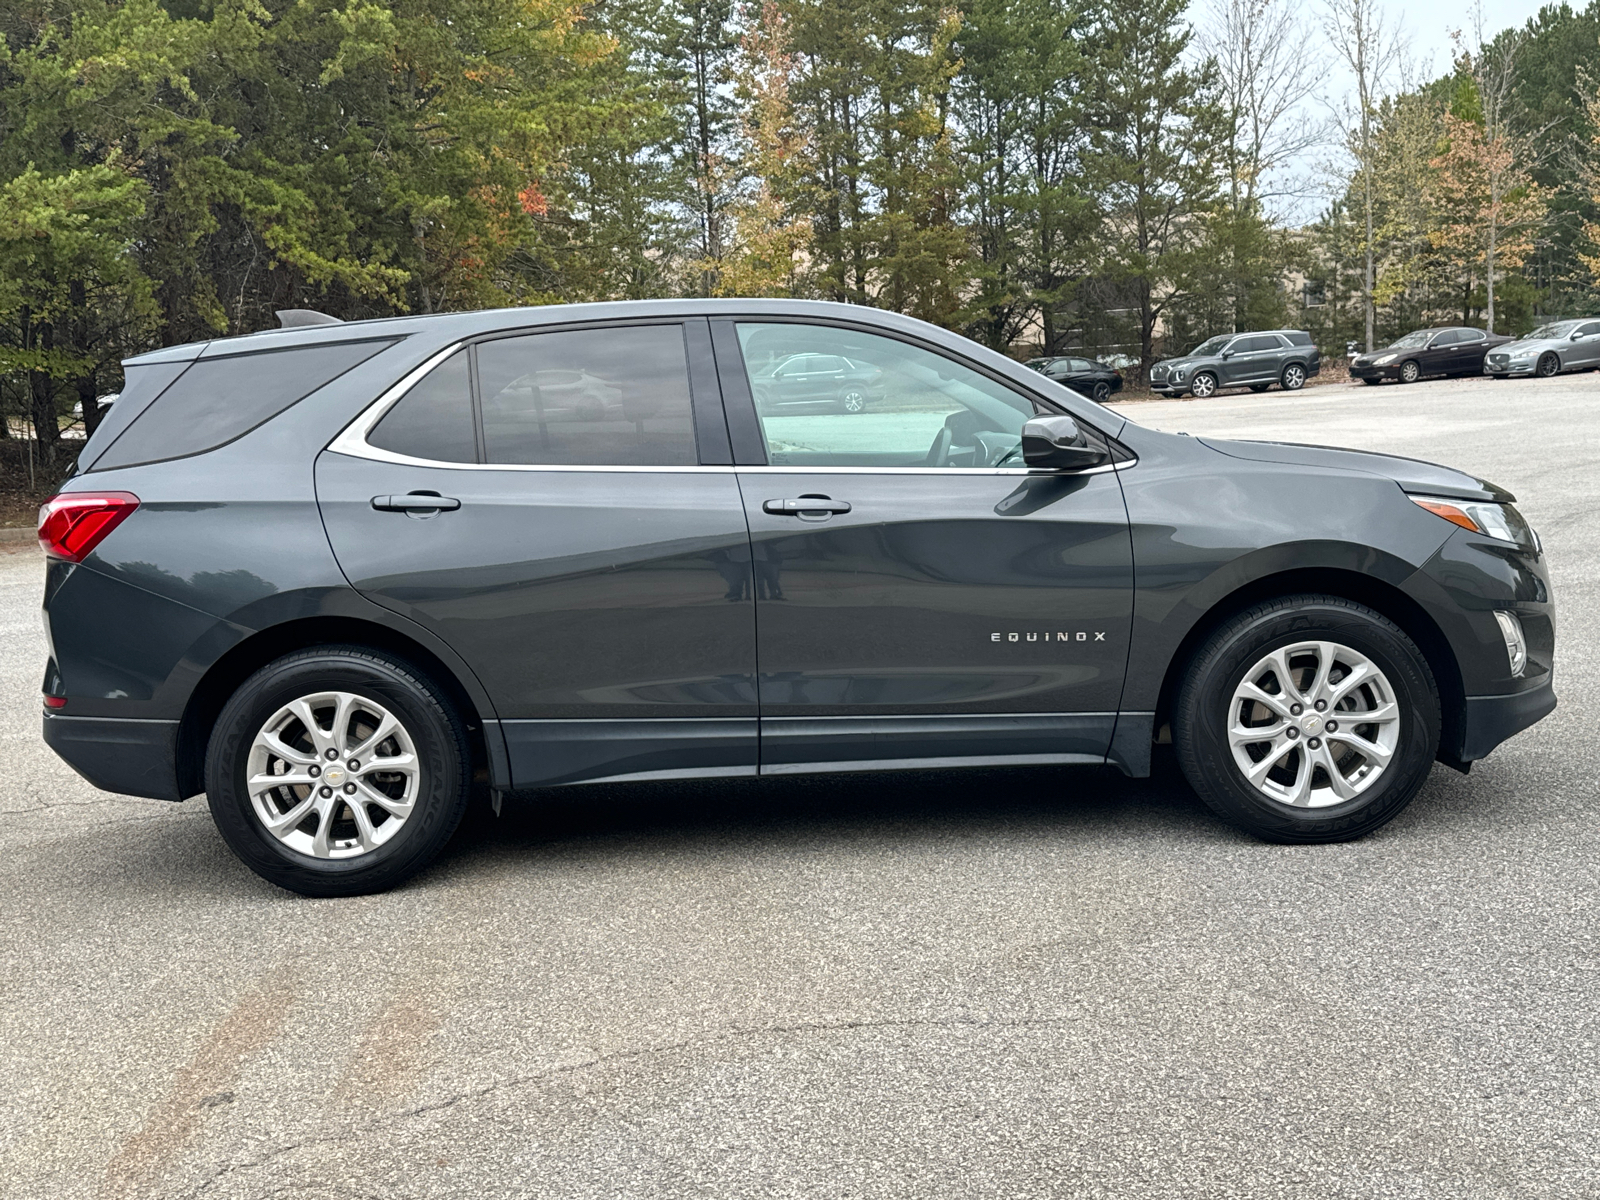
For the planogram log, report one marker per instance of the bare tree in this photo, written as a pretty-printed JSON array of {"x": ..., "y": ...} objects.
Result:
[
  {"x": 1508, "y": 153},
  {"x": 1265, "y": 79},
  {"x": 1372, "y": 50}
]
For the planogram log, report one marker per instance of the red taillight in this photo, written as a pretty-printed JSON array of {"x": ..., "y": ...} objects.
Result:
[
  {"x": 74, "y": 523},
  {"x": 55, "y": 701}
]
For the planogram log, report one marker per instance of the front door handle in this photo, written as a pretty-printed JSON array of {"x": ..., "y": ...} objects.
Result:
[
  {"x": 807, "y": 508},
  {"x": 416, "y": 502}
]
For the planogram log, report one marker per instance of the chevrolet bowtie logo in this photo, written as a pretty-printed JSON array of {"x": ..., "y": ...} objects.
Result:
[{"x": 1078, "y": 635}]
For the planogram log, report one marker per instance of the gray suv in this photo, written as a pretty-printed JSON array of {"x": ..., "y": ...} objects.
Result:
[
  {"x": 1253, "y": 360},
  {"x": 333, "y": 577}
]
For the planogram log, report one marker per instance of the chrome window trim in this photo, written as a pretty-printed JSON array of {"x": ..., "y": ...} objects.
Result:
[{"x": 352, "y": 441}]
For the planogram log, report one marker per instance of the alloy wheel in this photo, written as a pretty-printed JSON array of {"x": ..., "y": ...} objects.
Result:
[
  {"x": 333, "y": 775},
  {"x": 1548, "y": 366},
  {"x": 1102, "y": 392},
  {"x": 1294, "y": 378},
  {"x": 1313, "y": 724},
  {"x": 1203, "y": 385},
  {"x": 1410, "y": 372},
  {"x": 853, "y": 400}
]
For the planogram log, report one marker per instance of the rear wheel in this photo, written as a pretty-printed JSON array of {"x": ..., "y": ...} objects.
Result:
[
  {"x": 1204, "y": 385},
  {"x": 1410, "y": 371},
  {"x": 1102, "y": 392},
  {"x": 1307, "y": 719},
  {"x": 1294, "y": 377},
  {"x": 337, "y": 771},
  {"x": 1548, "y": 366},
  {"x": 852, "y": 400}
]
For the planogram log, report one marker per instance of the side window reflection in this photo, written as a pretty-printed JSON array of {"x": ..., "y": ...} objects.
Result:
[
  {"x": 837, "y": 397},
  {"x": 589, "y": 397}
]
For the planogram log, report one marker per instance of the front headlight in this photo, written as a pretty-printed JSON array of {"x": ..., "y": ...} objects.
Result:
[
  {"x": 1384, "y": 360},
  {"x": 1501, "y": 521}
]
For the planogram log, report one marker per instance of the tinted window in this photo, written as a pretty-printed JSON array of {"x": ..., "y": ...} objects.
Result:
[
  {"x": 588, "y": 397},
  {"x": 1260, "y": 341},
  {"x": 1469, "y": 335},
  {"x": 1448, "y": 338},
  {"x": 141, "y": 384},
  {"x": 1082, "y": 365},
  {"x": 1296, "y": 338},
  {"x": 219, "y": 399},
  {"x": 920, "y": 408},
  {"x": 433, "y": 419},
  {"x": 1589, "y": 330}
]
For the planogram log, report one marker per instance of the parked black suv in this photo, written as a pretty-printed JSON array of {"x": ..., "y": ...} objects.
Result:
[
  {"x": 1447, "y": 350},
  {"x": 329, "y": 576},
  {"x": 1286, "y": 357}
]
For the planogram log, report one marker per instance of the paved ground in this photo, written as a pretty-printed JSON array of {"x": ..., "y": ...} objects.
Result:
[{"x": 1003, "y": 984}]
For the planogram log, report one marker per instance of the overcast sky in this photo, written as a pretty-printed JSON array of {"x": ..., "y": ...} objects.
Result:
[{"x": 1426, "y": 27}]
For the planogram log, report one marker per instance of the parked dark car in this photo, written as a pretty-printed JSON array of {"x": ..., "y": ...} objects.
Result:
[
  {"x": 331, "y": 576},
  {"x": 1450, "y": 350},
  {"x": 813, "y": 380},
  {"x": 1549, "y": 350},
  {"x": 1286, "y": 357},
  {"x": 1085, "y": 376}
]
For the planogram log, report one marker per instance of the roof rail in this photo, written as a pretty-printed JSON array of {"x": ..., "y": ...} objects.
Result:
[{"x": 300, "y": 318}]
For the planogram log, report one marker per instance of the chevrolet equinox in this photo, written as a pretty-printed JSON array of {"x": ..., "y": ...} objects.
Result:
[{"x": 331, "y": 575}]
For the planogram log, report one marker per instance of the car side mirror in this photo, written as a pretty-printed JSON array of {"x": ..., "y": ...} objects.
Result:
[
  {"x": 1576, "y": 334},
  {"x": 1058, "y": 443},
  {"x": 1227, "y": 354}
]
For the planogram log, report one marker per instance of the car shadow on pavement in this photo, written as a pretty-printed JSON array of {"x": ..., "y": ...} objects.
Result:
[{"x": 844, "y": 807}]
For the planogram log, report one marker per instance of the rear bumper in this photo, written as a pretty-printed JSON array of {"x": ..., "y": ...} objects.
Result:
[
  {"x": 1490, "y": 720},
  {"x": 135, "y": 758}
]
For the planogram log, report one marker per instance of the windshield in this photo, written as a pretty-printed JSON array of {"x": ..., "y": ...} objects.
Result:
[
  {"x": 1213, "y": 345},
  {"x": 1556, "y": 329},
  {"x": 1411, "y": 341}
]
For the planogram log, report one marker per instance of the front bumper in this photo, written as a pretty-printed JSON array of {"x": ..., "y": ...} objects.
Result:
[
  {"x": 1490, "y": 720},
  {"x": 1515, "y": 368},
  {"x": 133, "y": 757},
  {"x": 1368, "y": 371}
]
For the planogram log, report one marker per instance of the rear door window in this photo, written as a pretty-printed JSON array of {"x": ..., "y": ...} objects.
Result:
[
  {"x": 588, "y": 397},
  {"x": 220, "y": 399},
  {"x": 434, "y": 419}
]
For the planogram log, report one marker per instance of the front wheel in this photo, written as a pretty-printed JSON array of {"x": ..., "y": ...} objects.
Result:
[
  {"x": 337, "y": 771},
  {"x": 1294, "y": 377},
  {"x": 1371, "y": 382},
  {"x": 852, "y": 400},
  {"x": 1548, "y": 366},
  {"x": 1410, "y": 371},
  {"x": 1259, "y": 387},
  {"x": 1204, "y": 385},
  {"x": 1307, "y": 719}
]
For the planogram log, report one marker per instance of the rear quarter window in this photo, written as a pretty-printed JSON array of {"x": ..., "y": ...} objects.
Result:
[
  {"x": 1297, "y": 338},
  {"x": 219, "y": 399}
]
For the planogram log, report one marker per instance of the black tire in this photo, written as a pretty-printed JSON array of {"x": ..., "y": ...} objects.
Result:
[
  {"x": 1259, "y": 387},
  {"x": 1548, "y": 366},
  {"x": 1102, "y": 392},
  {"x": 1410, "y": 371},
  {"x": 1203, "y": 385},
  {"x": 1293, "y": 377},
  {"x": 1372, "y": 382},
  {"x": 429, "y": 719},
  {"x": 1202, "y": 714}
]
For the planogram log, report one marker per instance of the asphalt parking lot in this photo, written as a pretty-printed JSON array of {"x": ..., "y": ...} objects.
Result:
[{"x": 1020, "y": 983}]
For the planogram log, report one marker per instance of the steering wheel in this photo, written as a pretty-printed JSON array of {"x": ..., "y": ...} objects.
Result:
[{"x": 939, "y": 452}]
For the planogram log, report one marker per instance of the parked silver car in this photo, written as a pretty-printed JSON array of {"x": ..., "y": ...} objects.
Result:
[{"x": 1549, "y": 350}]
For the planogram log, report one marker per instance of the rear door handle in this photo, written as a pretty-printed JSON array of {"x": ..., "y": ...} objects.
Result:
[
  {"x": 416, "y": 502},
  {"x": 805, "y": 506}
]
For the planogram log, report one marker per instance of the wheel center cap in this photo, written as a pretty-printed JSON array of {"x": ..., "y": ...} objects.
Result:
[
  {"x": 1311, "y": 724},
  {"x": 334, "y": 776}
]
